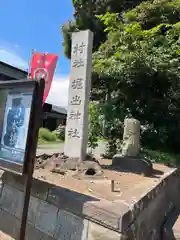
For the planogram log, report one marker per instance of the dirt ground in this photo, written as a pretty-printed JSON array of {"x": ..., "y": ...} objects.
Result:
[{"x": 126, "y": 184}]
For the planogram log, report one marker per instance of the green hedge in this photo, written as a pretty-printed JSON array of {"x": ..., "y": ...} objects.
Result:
[
  {"x": 60, "y": 132},
  {"x": 45, "y": 135}
]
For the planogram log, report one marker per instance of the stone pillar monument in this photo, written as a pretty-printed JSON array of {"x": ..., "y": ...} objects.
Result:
[
  {"x": 129, "y": 159},
  {"x": 131, "y": 137},
  {"x": 76, "y": 137}
]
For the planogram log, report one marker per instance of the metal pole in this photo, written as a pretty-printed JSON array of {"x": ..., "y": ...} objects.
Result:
[
  {"x": 30, "y": 60},
  {"x": 27, "y": 193},
  {"x": 37, "y": 113}
]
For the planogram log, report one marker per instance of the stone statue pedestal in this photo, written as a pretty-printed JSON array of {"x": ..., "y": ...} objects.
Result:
[{"x": 132, "y": 164}]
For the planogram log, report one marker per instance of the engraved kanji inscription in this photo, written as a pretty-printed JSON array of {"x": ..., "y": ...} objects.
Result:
[
  {"x": 78, "y": 49},
  {"x": 76, "y": 100},
  {"x": 77, "y": 83},
  {"x": 73, "y": 133},
  {"x": 78, "y": 63},
  {"x": 75, "y": 115}
]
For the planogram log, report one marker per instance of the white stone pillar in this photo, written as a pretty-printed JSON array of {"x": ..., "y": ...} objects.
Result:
[
  {"x": 131, "y": 137},
  {"x": 76, "y": 137}
]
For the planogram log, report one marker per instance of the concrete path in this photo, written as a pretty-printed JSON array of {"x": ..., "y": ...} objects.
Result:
[{"x": 59, "y": 147}]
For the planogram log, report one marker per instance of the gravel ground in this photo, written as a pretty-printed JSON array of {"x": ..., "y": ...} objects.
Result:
[{"x": 59, "y": 147}]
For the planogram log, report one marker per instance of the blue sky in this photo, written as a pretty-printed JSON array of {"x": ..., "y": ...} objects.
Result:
[{"x": 27, "y": 24}]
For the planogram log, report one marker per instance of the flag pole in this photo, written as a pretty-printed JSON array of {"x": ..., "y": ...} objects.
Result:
[{"x": 30, "y": 61}]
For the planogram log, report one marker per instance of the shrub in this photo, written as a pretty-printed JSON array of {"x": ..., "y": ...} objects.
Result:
[
  {"x": 161, "y": 157},
  {"x": 46, "y": 135},
  {"x": 94, "y": 126},
  {"x": 60, "y": 132}
]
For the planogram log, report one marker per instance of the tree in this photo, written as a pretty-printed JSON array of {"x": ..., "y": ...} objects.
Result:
[
  {"x": 95, "y": 127},
  {"x": 143, "y": 69},
  {"x": 67, "y": 30},
  {"x": 135, "y": 66},
  {"x": 152, "y": 13},
  {"x": 85, "y": 18}
]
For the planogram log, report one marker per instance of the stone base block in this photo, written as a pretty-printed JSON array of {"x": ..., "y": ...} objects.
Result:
[{"x": 132, "y": 164}]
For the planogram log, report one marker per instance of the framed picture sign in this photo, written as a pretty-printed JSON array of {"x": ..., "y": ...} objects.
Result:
[{"x": 20, "y": 108}]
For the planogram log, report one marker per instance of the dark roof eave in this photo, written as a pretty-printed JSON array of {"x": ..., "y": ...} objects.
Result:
[{"x": 13, "y": 67}]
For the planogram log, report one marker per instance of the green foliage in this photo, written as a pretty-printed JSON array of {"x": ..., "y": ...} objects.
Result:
[
  {"x": 85, "y": 18},
  {"x": 109, "y": 20},
  {"x": 152, "y": 13},
  {"x": 46, "y": 136},
  {"x": 67, "y": 30},
  {"x": 94, "y": 128},
  {"x": 136, "y": 69},
  {"x": 60, "y": 132},
  {"x": 113, "y": 131},
  {"x": 161, "y": 157},
  {"x": 140, "y": 69}
]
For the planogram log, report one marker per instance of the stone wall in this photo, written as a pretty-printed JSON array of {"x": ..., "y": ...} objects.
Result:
[
  {"x": 58, "y": 213},
  {"x": 154, "y": 208}
]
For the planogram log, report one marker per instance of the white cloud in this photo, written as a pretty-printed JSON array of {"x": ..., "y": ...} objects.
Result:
[
  {"x": 10, "y": 57},
  {"x": 58, "y": 94}
]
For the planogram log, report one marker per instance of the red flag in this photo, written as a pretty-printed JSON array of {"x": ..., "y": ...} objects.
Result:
[{"x": 43, "y": 66}]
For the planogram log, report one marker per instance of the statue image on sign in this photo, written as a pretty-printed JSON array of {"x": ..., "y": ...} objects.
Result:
[{"x": 15, "y": 120}]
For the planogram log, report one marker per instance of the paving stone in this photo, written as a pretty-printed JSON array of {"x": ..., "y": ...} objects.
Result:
[
  {"x": 46, "y": 219},
  {"x": 9, "y": 225},
  {"x": 97, "y": 232},
  {"x": 12, "y": 200},
  {"x": 71, "y": 227}
]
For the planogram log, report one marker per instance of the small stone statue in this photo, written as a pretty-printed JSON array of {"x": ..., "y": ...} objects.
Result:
[
  {"x": 131, "y": 137},
  {"x": 129, "y": 160}
]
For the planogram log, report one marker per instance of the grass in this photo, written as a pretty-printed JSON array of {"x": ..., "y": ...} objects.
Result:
[
  {"x": 47, "y": 137},
  {"x": 101, "y": 140},
  {"x": 161, "y": 157},
  {"x": 43, "y": 142}
]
